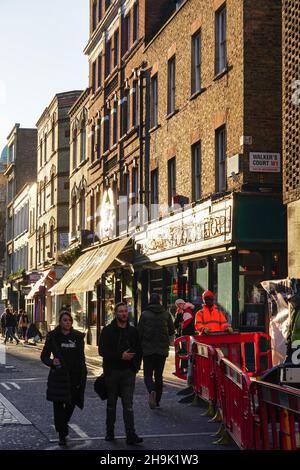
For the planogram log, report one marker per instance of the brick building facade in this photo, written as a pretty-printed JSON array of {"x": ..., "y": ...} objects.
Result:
[
  {"x": 291, "y": 127},
  {"x": 53, "y": 170},
  {"x": 184, "y": 111}
]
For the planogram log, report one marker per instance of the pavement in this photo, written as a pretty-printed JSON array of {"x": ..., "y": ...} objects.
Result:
[{"x": 26, "y": 418}]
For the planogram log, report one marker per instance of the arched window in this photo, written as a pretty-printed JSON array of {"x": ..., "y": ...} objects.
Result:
[
  {"x": 40, "y": 245},
  {"x": 74, "y": 145},
  {"x": 45, "y": 196},
  {"x": 73, "y": 221},
  {"x": 100, "y": 6},
  {"x": 40, "y": 198},
  {"x": 52, "y": 185},
  {"x": 45, "y": 147},
  {"x": 94, "y": 15},
  {"x": 44, "y": 242},
  {"x": 98, "y": 128},
  {"x": 92, "y": 212},
  {"x": 83, "y": 140},
  {"x": 53, "y": 133},
  {"x": 82, "y": 209},
  {"x": 93, "y": 140},
  {"x": 41, "y": 153},
  {"x": 51, "y": 237}
]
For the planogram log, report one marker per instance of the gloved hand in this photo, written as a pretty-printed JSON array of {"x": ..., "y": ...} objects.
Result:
[
  {"x": 229, "y": 330},
  {"x": 206, "y": 331}
]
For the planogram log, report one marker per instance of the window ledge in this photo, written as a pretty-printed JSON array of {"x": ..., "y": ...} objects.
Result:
[
  {"x": 169, "y": 116},
  {"x": 110, "y": 76},
  {"x": 221, "y": 74},
  {"x": 82, "y": 163},
  {"x": 197, "y": 93},
  {"x": 73, "y": 172},
  {"x": 155, "y": 128},
  {"x": 94, "y": 163},
  {"x": 131, "y": 131}
]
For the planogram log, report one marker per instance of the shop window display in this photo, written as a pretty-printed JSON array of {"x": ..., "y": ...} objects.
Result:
[
  {"x": 93, "y": 308},
  {"x": 110, "y": 286},
  {"x": 171, "y": 274},
  {"x": 222, "y": 284},
  {"x": 128, "y": 293},
  {"x": 199, "y": 281},
  {"x": 78, "y": 309}
]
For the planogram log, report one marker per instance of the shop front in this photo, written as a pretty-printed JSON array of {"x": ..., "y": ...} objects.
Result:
[
  {"x": 94, "y": 283},
  {"x": 39, "y": 304},
  {"x": 228, "y": 246}
]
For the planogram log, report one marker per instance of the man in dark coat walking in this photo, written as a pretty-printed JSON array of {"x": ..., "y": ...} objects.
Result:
[
  {"x": 120, "y": 348},
  {"x": 67, "y": 376},
  {"x": 10, "y": 324},
  {"x": 155, "y": 328}
]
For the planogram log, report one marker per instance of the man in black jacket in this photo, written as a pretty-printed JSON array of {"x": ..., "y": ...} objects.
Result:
[
  {"x": 155, "y": 328},
  {"x": 10, "y": 324},
  {"x": 120, "y": 348}
]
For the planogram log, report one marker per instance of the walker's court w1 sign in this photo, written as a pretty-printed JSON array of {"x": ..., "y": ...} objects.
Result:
[{"x": 265, "y": 162}]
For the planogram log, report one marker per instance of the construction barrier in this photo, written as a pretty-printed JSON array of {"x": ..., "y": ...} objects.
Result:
[
  {"x": 235, "y": 404},
  {"x": 255, "y": 414},
  {"x": 276, "y": 416},
  {"x": 182, "y": 355},
  {"x": 204, "y": 382},
  {"x": 249, "y": 351}
]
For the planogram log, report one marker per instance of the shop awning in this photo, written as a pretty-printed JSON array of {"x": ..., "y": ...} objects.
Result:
[
  {"x": 41, "y": 282},
  {"x": 98, "y": 264},
  {"x": 73, "y": 273}
]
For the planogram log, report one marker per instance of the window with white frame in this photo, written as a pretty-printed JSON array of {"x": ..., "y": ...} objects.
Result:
[
  {"x": 221, "y": 159},
  {"x": 196, "y": 171},
  {"x": 154, "y": 101},
  {"x": 135, "y": 103},
  {"x": 135, "y": 22},
  {"x": 171, "y": 85},
  {"x": 221, "y": 39},
  {"x": 196, "y": 62}
]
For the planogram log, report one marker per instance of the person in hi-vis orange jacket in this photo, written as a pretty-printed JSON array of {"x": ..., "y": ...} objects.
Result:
[{"x": 209, "y": 319}]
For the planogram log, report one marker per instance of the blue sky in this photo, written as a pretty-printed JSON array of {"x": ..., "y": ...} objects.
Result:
[{"x": 41, "y": 53}]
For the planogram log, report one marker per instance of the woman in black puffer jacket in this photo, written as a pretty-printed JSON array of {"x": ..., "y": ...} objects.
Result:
[{"x": 67, "y": 376}]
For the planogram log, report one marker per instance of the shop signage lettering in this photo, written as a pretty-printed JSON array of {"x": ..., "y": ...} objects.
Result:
[
  {"x": 192, "y": 230},
  {"x": 265, "y": 162}
]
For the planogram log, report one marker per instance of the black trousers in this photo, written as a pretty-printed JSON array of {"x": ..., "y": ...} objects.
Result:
[
  {"x": 154, "y": 366},
  {"x": 62, "y": 416},
  {"x": 120, "y": 383}
]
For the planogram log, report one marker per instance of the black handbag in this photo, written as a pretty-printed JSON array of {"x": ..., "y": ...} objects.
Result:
[{"x": 100, "y": 387}]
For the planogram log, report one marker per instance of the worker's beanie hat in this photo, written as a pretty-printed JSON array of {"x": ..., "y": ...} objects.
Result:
[{"x": 208, "y": 293}]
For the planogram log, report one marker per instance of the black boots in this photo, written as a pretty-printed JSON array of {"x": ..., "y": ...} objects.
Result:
[
  {"x": 133, "y": 439},
  {"x": 110, "y": 436},
  {"x": 62, "y": 439}
]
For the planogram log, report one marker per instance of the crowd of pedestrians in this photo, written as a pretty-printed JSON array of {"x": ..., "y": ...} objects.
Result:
[
  {"x": 123, "y": 347},
  {"x": 16, "y": 326}
]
